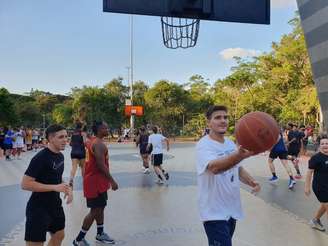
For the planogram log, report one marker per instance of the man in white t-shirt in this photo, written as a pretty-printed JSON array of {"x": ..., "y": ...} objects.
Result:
[
  {"x": 218, "y": 174},
  {"x": 156, "y": 142}
]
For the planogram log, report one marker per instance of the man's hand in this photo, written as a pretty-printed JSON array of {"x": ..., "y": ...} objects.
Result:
[
  {"x": 69, "y": 196},
  {"x": 63, "y": 187},
  {"x": 114, "y": 185},
  {"x": 244, "y": 153},
  {"x": 256, "y": 187},
  {"x": 307, "y": 191}
]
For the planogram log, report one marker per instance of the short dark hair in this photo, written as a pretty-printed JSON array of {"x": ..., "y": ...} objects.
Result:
[
  {"x": 96, "y": 125},
  {"x": 214, "y": 108},
  {"x": 155, "y": 129},
  {"x": 78, "y": 126},
  {"x": 53, "y": 129},
  {"x": 322, "y": 136}
]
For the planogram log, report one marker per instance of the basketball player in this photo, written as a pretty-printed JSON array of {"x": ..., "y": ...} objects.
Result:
[
  {"x": 44, "y": 211},
  {"x": 156, "y": 142},
  {"x": 219, "y": 171},
  {"x": 77, "y": 152},
  {"x": 142, "y": 142},
  {"x": 96, "y": 181},
  {"x": 279, "y": 150},
  {"x": 294, "y": 148},
  {"x": 318, "y": 175}
]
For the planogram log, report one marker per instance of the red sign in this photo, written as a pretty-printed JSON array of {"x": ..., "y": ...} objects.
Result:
[{"x": 133, "y": 110}]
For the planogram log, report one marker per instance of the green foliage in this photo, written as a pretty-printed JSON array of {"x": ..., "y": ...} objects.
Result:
[{"x": 278, "y": 82}]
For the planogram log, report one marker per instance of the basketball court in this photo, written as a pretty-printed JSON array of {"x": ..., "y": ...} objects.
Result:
[{"x": 144, "y": 213}]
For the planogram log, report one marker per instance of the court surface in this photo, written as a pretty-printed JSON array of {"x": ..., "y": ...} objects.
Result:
[{"x": 143, "y": 213}]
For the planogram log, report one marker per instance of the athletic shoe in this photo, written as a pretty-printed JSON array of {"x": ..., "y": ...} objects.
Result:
[
  {"x": 159, "y": 181},
  {"x": 166, "y": 176},
  {"x": 83, "y": 242},
  {"x": 316, "y": 224},
  {"x": 291, "y": 183},
  {"x": 104, "y": 238},
  {"x": 273, "y": 179},
  {"x": 298, "y": 176},
  {"x": 146, "y": 171}
]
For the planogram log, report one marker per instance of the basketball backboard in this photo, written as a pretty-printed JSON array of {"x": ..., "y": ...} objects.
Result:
[{"x": 243, "y": 11}]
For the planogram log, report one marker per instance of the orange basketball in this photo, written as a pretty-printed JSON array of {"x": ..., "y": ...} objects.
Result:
[{"x": 257, "y": 131}]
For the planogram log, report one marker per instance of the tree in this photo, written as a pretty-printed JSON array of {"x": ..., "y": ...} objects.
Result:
[{"x": 7, "y": 109}]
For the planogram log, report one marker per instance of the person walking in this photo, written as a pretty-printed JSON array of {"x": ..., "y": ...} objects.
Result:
[
  {"x": 317, "y": 174},
  {"x": 97, "y": 181},
  {"x": 44, "y": 211}
]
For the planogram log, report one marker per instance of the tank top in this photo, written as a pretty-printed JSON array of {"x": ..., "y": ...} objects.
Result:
[
  {"x": 94, "y": 182},
  {"x": 77, "y": 143}
]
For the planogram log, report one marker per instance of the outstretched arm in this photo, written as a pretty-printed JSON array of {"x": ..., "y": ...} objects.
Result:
[{"x": 247, "y": 179}]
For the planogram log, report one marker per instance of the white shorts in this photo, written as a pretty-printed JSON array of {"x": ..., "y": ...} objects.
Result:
[{"x": 18, "y": 145}]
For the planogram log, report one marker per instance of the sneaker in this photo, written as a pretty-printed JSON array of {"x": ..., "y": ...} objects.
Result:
[
  {"x": 316, "y": 224},
  {"x": 104, "y": 238},
  {"x": 291, "y": 183},
  {"x": 273, "y": 179},
  {"x": 159, "y": 181},
  {"x": 166, "y": 176},
  {"x": 146, "y": 171},
  {"x": 298, "y": 176},
  {"x": 83, "y": 242}
]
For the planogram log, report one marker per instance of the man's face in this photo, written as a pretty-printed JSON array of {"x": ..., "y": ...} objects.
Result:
[
  {"x": 218, "y": 123},
  {"x": 103, "y": 129},
  {"x": 58, "y": 139},
  {"x": 324, "y": 145}
]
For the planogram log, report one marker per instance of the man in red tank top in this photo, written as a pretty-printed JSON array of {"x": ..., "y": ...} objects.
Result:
[{"x": 96, "y": 181}]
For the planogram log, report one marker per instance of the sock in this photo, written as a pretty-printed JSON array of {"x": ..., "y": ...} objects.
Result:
[
  {"x": 163, "y": 171},
  {"x": 291, "y": 177},
  {"x": 81, "y": 235},
  {"x": 274, "y": 175},
  {"x": 100, "y": 229},
  {"x": 160, "y": 177}
]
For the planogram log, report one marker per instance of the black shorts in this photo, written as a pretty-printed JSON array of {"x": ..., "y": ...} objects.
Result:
[
  {"x": 143, "y": 150},
  {"x": 7, "y": 146},
  {"x": 157, "y": 159},
  {"x": 282, "y": 155},
  {"x": 40, "y": 220},
  {"x": 321, "y": 194},
  {"x": 78, "y": 156},
  {"x": 99, "y": 202},
  {"x": 294, "y": 151}
]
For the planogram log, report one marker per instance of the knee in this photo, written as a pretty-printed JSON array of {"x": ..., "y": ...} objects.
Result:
[{"x": 59, "y": 236}]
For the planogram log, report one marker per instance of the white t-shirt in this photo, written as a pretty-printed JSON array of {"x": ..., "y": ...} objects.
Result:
[
  {"x": 157, "y": 141},
  {"x": 219, "y": 195}
]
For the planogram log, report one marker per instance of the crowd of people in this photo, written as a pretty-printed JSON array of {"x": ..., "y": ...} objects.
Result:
[{"x": 15, "y": 141}]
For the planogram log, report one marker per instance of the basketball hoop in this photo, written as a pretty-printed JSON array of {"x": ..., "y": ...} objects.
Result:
[{"x": 179, "y": 32}]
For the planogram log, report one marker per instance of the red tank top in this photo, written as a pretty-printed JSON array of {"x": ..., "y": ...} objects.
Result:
[{"x": 94, "y": 182}]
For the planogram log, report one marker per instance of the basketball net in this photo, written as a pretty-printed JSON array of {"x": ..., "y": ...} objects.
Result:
[{"x": 179, "y": 32}]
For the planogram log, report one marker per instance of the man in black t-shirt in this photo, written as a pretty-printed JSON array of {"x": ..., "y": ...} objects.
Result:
[
  {"x": 294, "y": 147},
  {"x": 318, "y": 169},
  {"x": 44, "y": 211}
]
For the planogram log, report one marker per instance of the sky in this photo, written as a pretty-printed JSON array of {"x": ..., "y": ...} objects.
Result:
[{"x": 57, "y": 45}]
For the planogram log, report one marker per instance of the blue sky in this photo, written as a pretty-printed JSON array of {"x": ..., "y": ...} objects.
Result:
[{"x": 56, "y": 45}]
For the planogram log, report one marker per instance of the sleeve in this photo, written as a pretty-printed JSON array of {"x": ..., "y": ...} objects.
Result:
[
  {"x": 35, "y": 167},
  {"x": 150, "y": 139},
  {"x": 204, "y": 156},
  {"x": 163, "y": 138},
  {"x": 313, "y": 163}
]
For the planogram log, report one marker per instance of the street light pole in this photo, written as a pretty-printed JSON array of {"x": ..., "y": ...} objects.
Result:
[{"x": 131, "y": 70}]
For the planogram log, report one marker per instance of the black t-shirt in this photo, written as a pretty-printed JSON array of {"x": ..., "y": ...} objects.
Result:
[
  {"x": 319, "y": 163},
  {"x": 298, "y": 136},
  {"x": 77, "y": 143},
  {"x": 46, "y": 167},
  {"x": 143, "y": 141}
]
